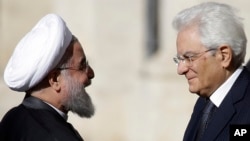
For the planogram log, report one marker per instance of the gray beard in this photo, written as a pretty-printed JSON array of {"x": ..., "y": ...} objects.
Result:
[{"x": 78, "y": 100}]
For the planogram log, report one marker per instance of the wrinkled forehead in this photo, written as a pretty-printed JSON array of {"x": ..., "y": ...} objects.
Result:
[{"x": 188, "y": 40}]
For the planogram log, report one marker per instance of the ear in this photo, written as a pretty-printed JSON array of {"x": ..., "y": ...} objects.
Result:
[
  {"x": 226, "y": 54},
  {"x": 54, "y": 80}
]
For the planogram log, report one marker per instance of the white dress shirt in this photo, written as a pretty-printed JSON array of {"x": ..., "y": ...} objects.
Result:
[{"x": 218, "y": 96}]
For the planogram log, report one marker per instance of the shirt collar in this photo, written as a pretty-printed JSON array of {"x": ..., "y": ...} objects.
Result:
[
  {"x": 218, "y": 96},
  {"x": 65, "y": 116}
]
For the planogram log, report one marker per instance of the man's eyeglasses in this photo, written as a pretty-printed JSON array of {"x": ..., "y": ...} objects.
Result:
[
  {"x": 83, "y": 67},
  {"x": 188, "y": 59}
]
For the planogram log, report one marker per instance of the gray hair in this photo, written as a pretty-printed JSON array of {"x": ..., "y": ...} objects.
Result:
[{"x": 217, "y": 24}]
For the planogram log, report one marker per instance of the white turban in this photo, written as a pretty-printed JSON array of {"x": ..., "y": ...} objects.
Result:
[{"x": 38, "y": 52}]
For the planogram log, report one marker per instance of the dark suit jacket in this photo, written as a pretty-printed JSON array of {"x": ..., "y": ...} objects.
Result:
[
  {"x": 33, "y": 120},
  {"x": 234, "y": 109}
]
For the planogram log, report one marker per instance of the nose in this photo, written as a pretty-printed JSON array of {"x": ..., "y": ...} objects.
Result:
[
  {"x": 90, "y": 73},
  {"x": 182, "y": 68}
]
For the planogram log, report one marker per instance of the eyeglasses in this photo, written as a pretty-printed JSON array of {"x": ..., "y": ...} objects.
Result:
[
  {"x": 83, "y": 67},
  {"x": 189, "y": 58}
]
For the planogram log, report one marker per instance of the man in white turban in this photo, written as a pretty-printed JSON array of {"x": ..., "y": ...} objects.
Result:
[{"x": 50, "y": 66}]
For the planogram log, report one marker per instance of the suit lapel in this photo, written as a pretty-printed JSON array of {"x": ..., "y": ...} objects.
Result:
[
  {"x": 226, "y": 111},
  {"x": 194, "y": 121},
  {"x": 219, "y": 120}
]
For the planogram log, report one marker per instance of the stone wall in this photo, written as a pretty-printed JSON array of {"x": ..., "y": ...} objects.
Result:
[{"x": 136, "y": 98}]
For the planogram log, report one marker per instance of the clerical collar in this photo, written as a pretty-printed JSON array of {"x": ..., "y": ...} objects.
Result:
[{"x": 65, "y": 116}]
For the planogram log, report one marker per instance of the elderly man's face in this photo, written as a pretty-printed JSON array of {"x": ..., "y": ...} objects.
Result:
[
  {"x": 203, "y": 71},
  {"x": 77, "y": 77}
]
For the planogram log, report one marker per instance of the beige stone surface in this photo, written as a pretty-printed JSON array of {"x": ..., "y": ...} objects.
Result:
[{"x": 136, "y": 98}]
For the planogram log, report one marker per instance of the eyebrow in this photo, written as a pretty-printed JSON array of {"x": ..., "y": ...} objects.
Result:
[{"x": 186, "y": 53}]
